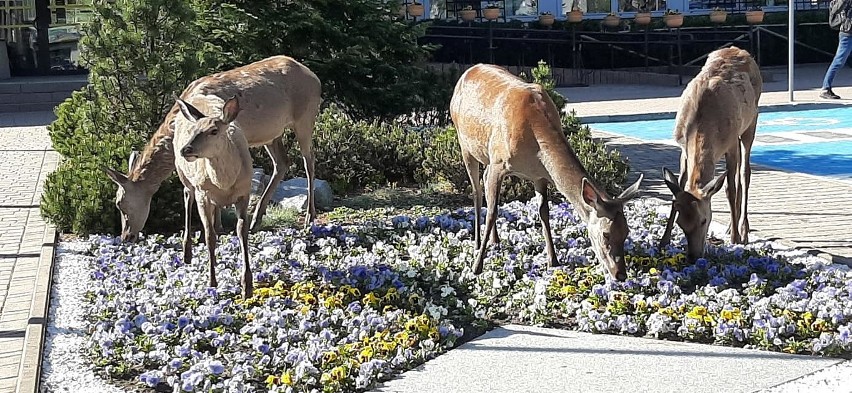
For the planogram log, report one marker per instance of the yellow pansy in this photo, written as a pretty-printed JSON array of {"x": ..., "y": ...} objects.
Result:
[
  {"x": 392, "y": 294},
  {"x": 338, "y": 373},
  {"x": 287, "y": 379},
  {"x": 365, "y": 355},
  {"x": 371, "y": 298},
  {"x": 272, "y": 380}
]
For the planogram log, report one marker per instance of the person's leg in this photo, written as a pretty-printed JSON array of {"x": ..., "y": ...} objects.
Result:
[{"x": 844, "y": 47}]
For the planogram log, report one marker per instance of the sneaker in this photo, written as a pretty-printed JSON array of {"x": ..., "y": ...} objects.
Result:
[{"x": 828, "y": 95}]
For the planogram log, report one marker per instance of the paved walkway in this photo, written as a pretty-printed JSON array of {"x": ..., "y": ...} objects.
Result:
[{"x": 26, "y": 157}]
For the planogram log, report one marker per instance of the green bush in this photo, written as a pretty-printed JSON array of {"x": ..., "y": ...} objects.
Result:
[
  {"x": 352, "y": 154},
  {"x": 138, "y": 53},
  {"x": 367, "y": 58}
]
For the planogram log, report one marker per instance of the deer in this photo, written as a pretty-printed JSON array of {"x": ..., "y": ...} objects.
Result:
[
  {"x": 279, "y": 93},
  {"x": 514, "y": 128},
  {"x": 215, "y": 168},
  {"x": 717, "y": 118}
]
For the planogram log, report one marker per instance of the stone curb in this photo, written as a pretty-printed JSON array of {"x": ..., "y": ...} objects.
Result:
[
  {"x": 791, "y": 107},
  {"x": 29, "y": 375}
]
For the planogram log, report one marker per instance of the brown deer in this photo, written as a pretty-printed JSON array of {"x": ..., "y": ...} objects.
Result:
[
  {"x": 513, "y": 128},
  {"x": 717, "y": 117},
  {"x": 277, "y": 93},
  {"x": 215, "y": 167}
]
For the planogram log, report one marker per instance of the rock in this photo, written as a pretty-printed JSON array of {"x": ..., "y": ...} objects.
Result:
[
  {"x": 293, "y": 193},
  {"x": 258, "y": 181}
]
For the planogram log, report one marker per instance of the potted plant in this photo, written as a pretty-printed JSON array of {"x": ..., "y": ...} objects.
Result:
[
  {"x": 576, "y": 14},
  {"x": 642, "y": 17},
  {"x": 546, "y": 19},
  {"x": 611, "y": 20},
  {"x": 673, "y": 19},
  {"x": 491, "y": 11},
  {"x": 415, "y": 9},
  {"x": 754, "y": 15},
  {"x": 467, "y": 14},
  {"x": 718, "y": 15}
]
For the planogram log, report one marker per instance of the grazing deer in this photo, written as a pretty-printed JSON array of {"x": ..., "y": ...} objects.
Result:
[
  {"x": 277, "y": 93},
  {"x": 717, "y": 117},
  {"x": 513, "y": 128},
  {"x": 215, "y": 167}
]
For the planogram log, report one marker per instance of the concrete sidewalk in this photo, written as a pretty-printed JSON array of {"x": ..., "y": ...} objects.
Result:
[
  {"x": 514, "y": 358},
  {"x": 600, "y": 103}
]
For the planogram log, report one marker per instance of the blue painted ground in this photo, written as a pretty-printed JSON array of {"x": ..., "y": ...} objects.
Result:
[{"x": 793, "y": 140}]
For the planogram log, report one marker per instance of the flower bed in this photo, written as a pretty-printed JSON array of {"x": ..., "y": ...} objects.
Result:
[{"x": 346, "y": 306}]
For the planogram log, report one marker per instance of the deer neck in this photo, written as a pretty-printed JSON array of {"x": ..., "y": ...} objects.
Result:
[
  {"x": 225, "y": 169},
  {"x": 157, "y": 161},
  {"x": 700, "y": 163},
  {"x": 566, "y": 173}
]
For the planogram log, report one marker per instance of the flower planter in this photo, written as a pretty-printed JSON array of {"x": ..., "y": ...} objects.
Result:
[
  {"x": 642, "y": 18},
  {"x": 718, "y": 16},
  {"x": 491, "y": 13},
  {"x": 575, "y": 16},
  {"x": 415, "y": 10},
  {"x": 611, "y": 21},
  {"x": 673, "y": 20},
  {"x": 546, "y": 20},
  {"x": 467, "y": 15},
  {"x": 754, "y": 17}
]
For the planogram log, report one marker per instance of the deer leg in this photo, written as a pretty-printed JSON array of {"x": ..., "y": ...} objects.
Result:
[
  {"x": 745, "y": 175},
  {"x": 188, "y": 201},
  {"x": 472, "y": 167},
  {"x": 207, "y": 210},
  {"x": 242, "y": 233},
  {"x": 217, "y": 225},
  {"x": 732, "y": 162},
  {"x": 304, "y": 132},
  {"x": 492, "y": 233},
  {"x": 492, "y": 193},
  {"x": 280, "y": 165},
  {"x": 544, "y": 215}
]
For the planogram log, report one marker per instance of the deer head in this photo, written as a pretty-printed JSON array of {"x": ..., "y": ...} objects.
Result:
[
  {"x": 207, "y": 133},
  {"x": 607, "y": 225},
  {"x": 132, "y": 199},
  {"x": 693, "y": 210}
]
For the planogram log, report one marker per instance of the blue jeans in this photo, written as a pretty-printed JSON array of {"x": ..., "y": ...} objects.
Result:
[{"x": 844, "y": 48}]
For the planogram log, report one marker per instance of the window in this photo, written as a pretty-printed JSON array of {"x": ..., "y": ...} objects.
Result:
[
  {"x": 641, "y": 5},
  {"x": 522, "y": 7},
  {"x": 588, "y": 6}
]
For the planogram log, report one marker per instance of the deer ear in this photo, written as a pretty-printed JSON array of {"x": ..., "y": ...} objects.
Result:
[
  {"x": 714, "y": 186},
  {"x": 190, "y": 112},
  {"x": 116, "y": 176},
  {"x": 590, "y": 193},
  {"x": 631, "y": 191},
  {"x": 231, "y": 109},
  {"x": 671, "y": 181}
]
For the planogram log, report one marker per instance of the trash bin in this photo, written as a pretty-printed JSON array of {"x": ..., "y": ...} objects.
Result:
[{"x": 4, "y": 61}]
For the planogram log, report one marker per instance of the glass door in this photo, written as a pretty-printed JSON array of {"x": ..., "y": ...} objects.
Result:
[
  {"x": 64, "y": 32},
  {"x": 18, "y": 35},
  {"x": 42, "y": 37}
]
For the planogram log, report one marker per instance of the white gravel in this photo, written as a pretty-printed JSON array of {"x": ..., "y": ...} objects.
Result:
[
  {"x": 64, "y": 366},
  {"x": 836, "y": 379}
]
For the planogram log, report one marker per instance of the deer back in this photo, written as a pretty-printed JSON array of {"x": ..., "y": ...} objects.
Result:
[{"x": 500, "y": 117}]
